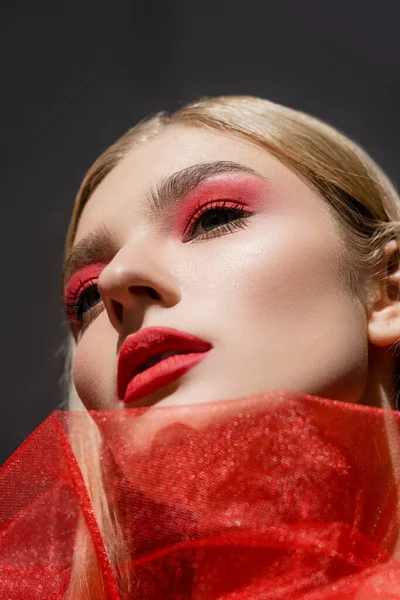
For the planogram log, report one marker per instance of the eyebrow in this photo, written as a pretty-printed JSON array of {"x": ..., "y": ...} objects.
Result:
[
  {"x": 99, "y": 246},
  {"x": 179, "y": 184}
]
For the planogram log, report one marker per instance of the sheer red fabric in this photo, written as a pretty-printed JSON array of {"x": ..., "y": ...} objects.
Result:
[{"x": 266, "y": 498}]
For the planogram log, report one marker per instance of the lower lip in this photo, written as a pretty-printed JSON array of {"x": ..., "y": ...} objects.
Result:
[{"x": 161, "y": 374}]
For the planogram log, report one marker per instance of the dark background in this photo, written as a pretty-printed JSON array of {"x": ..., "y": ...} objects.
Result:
[{"x": 76, "y": 76}]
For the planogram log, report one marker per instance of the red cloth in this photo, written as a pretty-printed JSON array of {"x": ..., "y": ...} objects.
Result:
[{"x": 273, "y": 497}]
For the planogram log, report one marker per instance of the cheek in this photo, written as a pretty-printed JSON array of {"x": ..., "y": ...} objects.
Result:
[
  {"x": 296, "y": 271},
  {"x": 94, "y": 366},
  {"x": 270, "y": 266},
  {"x": 275, "y": 298}
]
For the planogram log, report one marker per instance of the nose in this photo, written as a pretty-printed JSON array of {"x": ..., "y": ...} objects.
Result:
[{"x": 136, "y": 278}]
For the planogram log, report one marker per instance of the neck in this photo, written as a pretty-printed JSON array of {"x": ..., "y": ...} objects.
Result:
[{"x": 380, "y": 389}]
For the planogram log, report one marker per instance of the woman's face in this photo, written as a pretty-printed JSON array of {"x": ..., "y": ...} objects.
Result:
[{"x": 210, "y": 235}]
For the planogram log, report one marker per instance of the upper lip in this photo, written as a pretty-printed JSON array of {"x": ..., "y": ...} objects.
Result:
[{"x": 138, "y": 348}]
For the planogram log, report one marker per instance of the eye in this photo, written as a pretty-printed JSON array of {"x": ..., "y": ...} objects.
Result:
[
  {"x": 88, "y": 299},
  {"x": 215, "y": 219},
  {"x": 83, "y": 303}
]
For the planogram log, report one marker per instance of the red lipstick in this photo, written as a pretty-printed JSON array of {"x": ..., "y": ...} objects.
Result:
[{"x": 155, "y": 357}]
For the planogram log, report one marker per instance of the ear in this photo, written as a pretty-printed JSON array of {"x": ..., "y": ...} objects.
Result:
[{"x": 384, "y": 318}]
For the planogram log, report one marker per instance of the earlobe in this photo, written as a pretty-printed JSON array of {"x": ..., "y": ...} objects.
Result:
[{"x": 384, "y": 317}]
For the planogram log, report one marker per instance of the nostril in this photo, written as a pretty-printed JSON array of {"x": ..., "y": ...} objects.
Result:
[
  {"x": 144, "y": 289},
  {"x": 152, "y": 293},
  {"x": 118, "y": 310}
]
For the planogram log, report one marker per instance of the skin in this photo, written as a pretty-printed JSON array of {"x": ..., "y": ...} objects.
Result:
[{"x": 269, "y": 297}]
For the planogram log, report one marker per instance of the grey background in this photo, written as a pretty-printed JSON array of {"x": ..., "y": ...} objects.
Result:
[{"x": 76, "y": 76}]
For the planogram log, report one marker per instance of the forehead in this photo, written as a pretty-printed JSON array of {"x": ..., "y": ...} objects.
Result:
[{"x": 174, "y": 149}]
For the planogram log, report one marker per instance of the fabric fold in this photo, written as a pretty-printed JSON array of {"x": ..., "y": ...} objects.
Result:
[{"x": 264, "y": 498}]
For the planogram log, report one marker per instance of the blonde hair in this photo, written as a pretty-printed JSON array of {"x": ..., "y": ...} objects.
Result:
[{"x": 356, "y": 190}]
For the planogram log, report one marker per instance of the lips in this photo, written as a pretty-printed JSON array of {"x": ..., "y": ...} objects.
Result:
[{"x": 155, "y": 357}]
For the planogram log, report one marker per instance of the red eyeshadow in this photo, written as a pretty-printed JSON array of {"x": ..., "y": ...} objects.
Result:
[
  {"x": 81, "y": 276},
  {"x": 242, "y": 188}
]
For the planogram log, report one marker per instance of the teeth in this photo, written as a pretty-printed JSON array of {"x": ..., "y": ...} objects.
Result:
[{"x": 155, "y": 359}]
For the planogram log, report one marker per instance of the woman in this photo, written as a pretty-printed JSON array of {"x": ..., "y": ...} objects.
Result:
[{"x": 232, "y": 249}]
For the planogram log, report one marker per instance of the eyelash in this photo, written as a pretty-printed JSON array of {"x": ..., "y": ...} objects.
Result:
[
  {"x": 74, "y": 299},
  {"x": 225, "y": 205},
  {"x": 73, "y": 304}
]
